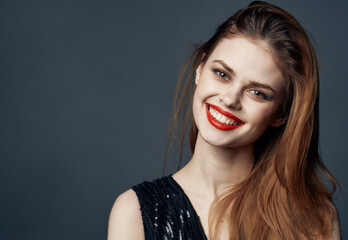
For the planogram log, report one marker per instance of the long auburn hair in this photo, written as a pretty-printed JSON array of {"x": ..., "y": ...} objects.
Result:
[{"x": 284, "y": 196}]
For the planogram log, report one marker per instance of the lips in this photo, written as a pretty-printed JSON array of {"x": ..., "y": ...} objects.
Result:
[{"x": 221, "y": 119}]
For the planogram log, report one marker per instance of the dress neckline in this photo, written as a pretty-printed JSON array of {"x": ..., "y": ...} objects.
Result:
[{"x": 182, "y": 192}]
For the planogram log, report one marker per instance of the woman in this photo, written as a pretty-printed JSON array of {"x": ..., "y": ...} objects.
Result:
[{"x": 255, "y": 169}]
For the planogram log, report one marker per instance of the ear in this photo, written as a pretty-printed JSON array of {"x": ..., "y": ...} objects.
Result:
[
  {"x": 198, "y": 72},
  {"x": 278, "y": 121}
]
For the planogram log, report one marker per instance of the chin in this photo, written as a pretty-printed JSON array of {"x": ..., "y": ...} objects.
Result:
[
  {"x": 221, "y": 139},
  {"x": 217, "y": 140}
]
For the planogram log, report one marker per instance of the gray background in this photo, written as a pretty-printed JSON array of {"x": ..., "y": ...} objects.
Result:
[{"x": 86, "y": 89}]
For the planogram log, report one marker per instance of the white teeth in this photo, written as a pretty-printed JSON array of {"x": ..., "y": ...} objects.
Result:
[
  {"x": 218, "y": 117},
  {"x": 222, "y": 118}
]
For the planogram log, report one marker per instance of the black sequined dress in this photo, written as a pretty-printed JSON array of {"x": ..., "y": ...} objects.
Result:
[{"x": 167, "y": 212}]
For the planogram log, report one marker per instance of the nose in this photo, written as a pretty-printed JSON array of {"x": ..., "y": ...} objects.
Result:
[{"x": 231, "y": 100}]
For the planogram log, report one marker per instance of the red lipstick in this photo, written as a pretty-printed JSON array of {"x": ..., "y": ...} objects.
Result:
[{"x": 219, "y": 125}]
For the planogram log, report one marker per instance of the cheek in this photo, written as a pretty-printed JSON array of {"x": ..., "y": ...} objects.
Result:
[
  {"x": 206, "y": 88},
  {"x": 201, "y": 92},
  {"x": 261, "y": 114},
  {"x": 196, "y": 104}
]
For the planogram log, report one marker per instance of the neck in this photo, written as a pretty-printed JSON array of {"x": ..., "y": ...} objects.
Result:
[{"x": 212, "y": 168}]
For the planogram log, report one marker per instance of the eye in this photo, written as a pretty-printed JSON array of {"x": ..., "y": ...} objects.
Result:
[
  {"x": 258, "y": 94},
  {"x": 221, "y": 74}
]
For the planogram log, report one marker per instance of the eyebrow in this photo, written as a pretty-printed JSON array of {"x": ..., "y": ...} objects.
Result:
[
  {"x": 230, "y": 70},
  {"x": 261, "y": 85},
  {"x": 252, "y": 82}
]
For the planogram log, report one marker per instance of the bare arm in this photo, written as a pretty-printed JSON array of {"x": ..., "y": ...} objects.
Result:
[{"x": 125, "y": 222}]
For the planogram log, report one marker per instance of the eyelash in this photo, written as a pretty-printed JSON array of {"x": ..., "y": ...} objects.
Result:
[
  {"x": 219, "y": 73},
  {"x": 259, "y": 94}
]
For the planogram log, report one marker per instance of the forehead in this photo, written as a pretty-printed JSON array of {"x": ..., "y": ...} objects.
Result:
[{"x": 249, "y": 60}]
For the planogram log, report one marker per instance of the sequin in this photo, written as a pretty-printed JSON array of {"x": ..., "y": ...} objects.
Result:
[
  {"x": 169, "y": 229},
  {"x": 167, "y": 212},
  {"x": 188, "y": 213},
  {"x": 181, "y": 219}
]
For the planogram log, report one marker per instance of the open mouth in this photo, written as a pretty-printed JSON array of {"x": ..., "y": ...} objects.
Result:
[{"x": 221, "y": 119}]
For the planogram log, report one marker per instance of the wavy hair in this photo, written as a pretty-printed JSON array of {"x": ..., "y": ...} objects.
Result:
[{"x": 284, "y": 196}]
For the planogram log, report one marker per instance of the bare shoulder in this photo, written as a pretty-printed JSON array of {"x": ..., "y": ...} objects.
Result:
[
  {"x": 336, "y": 232},
  {"x": 125, "y": 220}
]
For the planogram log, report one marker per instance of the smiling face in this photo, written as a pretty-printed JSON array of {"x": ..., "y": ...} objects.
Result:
[{"x": 238, "y": 94}]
